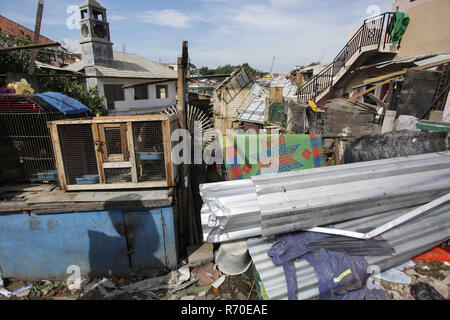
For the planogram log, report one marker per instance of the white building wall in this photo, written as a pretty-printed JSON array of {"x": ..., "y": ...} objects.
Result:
[
  {"x": 129, "y": 102},
  {"x": 151, "y": 102},
  {"x": 403, "y": 5}
]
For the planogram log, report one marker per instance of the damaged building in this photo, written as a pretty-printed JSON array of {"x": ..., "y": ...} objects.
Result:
[{"x": 340, "y": 174}]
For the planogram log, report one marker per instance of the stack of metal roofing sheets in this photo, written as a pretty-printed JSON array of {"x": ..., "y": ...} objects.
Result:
[
  {"x": 285, "y": 202},
  {"x": 230, "y": 211},
  {"x": 304, "y": 199},
  {"x": 408, "y": 240}
]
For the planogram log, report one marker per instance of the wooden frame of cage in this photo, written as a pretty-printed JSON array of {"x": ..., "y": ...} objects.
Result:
[{"x": 125, "y": 123}]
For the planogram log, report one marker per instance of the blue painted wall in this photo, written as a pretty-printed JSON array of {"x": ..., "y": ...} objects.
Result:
[{"x": 119, "y": 242}]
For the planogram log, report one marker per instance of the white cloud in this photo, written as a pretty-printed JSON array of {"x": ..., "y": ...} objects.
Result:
[
  {"x": 71, "y": 45},
  {"x": 285, "y": 3},
  {"x": 264, "y": 18},
  {"x": 296, "y": 32},
  {"x": 167, "y": 17},
  {"x": 117, "y": 17}
]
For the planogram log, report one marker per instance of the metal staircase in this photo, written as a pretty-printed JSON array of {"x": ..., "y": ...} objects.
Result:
[{"x": 372, "y": 35}]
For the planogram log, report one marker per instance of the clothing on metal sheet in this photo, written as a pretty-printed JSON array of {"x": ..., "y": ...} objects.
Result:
[{"x": 340, "y": 276}]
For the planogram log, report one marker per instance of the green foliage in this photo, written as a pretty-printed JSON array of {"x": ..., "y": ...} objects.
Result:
[
  {"x": 78, "y": 91},
  {"x": 228, "y": 69},
  {"x": 13, "y": 61},
  {"x": 19, "y": 60},
  {"x": 90, "y": 97}
]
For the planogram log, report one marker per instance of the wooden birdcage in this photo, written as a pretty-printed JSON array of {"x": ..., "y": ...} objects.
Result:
[{"x": 125, "y": 152}]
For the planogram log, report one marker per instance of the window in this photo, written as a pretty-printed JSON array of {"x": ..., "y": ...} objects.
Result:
[
  {"x": 84, "y": 14},
  {"x": 141, "y": 92},
  {"x": 98, "y": 15},
  {"x": 162, "y": 92},
  {"x": 100, "y": 31},
  {"x": 113, "y": 92}
]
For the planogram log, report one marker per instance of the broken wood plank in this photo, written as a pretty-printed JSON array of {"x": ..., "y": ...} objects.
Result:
[
  {"x": 28, "y": 188},
  {"x": 97, "y": 196},
  {"x": 402, "y": 72},
  {"x": 378, "y": 101},
  {"x": 31, "y": 46},
  {"x": 371, "y": 89},
  {"x": 46, "y": 208}
]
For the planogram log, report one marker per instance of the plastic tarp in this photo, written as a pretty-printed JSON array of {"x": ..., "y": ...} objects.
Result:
[{"x": 63, "y": 103}]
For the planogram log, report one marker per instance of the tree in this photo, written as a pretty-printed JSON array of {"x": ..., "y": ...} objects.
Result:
[
  {"x": 18, "y": 61},
  {"x": 89, "y": 97},
  {"x": 13, "y": 61},
  {"x": 228, "y": 69}
]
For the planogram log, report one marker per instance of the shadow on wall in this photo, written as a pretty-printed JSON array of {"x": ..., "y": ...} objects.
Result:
[{"x": 131, "y": 246}]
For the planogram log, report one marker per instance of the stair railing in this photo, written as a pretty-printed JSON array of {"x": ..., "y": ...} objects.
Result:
[{"x": 374, "y": 31}]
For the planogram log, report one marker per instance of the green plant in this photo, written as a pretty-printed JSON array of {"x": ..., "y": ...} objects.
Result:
[
  {"x": 78, "y": 91},
  {"x": 228, "y": 69},
  {"x": 19, "y": 60},
  {"x": 13, "y": 61}
]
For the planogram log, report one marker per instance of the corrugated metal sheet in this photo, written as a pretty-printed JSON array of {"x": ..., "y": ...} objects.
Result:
[
  {"x": 309, "y": 198},
  {"x": 408, "y": 241},
  {"x": 255, "y": 111},
  {"x": 239, "y": 78},
  {"x": 127, "y": 65},
  {"x": 327, "y": 195},
  {"x": 231, "y": 210}
]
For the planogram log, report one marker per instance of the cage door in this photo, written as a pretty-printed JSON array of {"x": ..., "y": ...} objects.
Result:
[{"x": 112, "y": 146}]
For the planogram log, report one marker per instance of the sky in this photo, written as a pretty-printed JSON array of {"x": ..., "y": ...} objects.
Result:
[{"x": 219, "y": 32}]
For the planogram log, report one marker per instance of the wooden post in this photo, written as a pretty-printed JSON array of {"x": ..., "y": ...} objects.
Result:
[
  {"x": 181, "y": 106},
  {"x": 336, "y": 151},
  {"x": 182, "y": 86},
  {"x": 98, "y": 152},
  {"x": 58, "y": 156},
  {"x": 37, "y": 30}
]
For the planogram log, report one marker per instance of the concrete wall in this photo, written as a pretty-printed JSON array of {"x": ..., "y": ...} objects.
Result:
[
  {"x": 428, "y": 29},
  {"x": 295, "y": 117},
  {"x": 151, "y": 102},
  {"x": 403, "y": 5},
  {"x": 129, "y": 102}
]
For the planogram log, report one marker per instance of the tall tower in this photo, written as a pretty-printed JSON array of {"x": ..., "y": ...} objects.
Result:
[{"x": 96, "y": 44}]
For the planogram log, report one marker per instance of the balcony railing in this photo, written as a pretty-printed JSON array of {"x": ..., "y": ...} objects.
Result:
[{"x": 374, "y": 31}]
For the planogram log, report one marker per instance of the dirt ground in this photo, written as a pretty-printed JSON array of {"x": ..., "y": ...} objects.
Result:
[
  {"x": 436, "y": 274},
  {"x": 234, "y": 288}
]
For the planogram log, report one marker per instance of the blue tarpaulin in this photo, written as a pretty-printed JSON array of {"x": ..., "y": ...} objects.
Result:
[{"x": 63, "y": 103}]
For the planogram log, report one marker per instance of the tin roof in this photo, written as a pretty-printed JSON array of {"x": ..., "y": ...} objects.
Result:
[{"x": 128, "y": 65}]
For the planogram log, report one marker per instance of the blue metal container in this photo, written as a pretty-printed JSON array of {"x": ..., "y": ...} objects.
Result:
[{"x": 119, "y": 242}]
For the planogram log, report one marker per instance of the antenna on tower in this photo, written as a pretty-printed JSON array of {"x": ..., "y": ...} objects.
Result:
[{"x": 271, "y": 68}]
